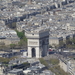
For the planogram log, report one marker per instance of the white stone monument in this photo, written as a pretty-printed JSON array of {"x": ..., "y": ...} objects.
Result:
[{"x": 38, "y": 41}]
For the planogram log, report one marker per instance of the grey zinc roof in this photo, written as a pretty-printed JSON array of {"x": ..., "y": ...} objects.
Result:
[
  {"x": 2, "y": 37},
  {"x": 14, "y": 71}
]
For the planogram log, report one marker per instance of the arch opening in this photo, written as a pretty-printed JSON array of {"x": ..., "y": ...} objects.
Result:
[{"x": 33, "y": 52}]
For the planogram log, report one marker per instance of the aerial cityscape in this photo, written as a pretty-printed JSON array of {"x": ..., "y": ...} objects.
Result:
[{"x": 37, "y": 37}]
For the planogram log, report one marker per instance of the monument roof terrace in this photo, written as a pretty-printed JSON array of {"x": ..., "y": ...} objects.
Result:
[{"x": 39, "y": 32}]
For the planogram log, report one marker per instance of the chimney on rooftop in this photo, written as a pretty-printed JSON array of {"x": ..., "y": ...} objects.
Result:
[{"x": 42, "y": 22}]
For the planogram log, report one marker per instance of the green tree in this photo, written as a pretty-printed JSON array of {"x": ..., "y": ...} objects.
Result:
[
  {"x": 23, "y": 42},
  {"x": 23, "y": 39},
  {"x": 54, "y": 61},
  {"x": 13, "y": 25},
  {"x": 12, "y": 46},
  {"x": 4, "y": 60},
  {"x": 20, "y": 34},
  {"x": 58, "y": 71},
  {"x": 54, "y": 45},
  {"x": 50, "y": 46},
  {"x": 73, "y": 40},
  {"x": 62, "y": 44},
  {"x": 68, "y": 41},
  {"x": 43, "y": 62}
]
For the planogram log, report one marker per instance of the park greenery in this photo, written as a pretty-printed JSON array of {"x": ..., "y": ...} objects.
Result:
[
  {"x": 55, "y": 66},
  {"x": 12, "y": 25},
  {"x": 6, "y": 60},
  {"x": 20, "y": 34},
  {"x": 21, "y": 44},
  {"x": 58, "y": 71},
  {"x": 69, "y": 43},
  {"x": 54, "y": 61},
  {"x": 42, "y": 61},
  {"x": 23, "y": 41},
  {"x": 12, "y": 46}
]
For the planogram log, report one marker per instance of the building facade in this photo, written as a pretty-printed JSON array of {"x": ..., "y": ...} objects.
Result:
[{"x": 38, "y": 42}]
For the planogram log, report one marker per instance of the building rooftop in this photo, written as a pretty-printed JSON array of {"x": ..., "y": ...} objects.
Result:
[{"x": 14, "y": 71}]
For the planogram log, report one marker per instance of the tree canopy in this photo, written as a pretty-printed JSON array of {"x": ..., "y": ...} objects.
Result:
[
  {"x": 20, "y": 34},
  {"x": 12, "y": 46},
  {"x": 23, "y": 39}
]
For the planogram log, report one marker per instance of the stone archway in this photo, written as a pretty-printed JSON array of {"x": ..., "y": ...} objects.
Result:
[
  {"x": 33, "y": 52},
  {"x": 43, "y": 46}
]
